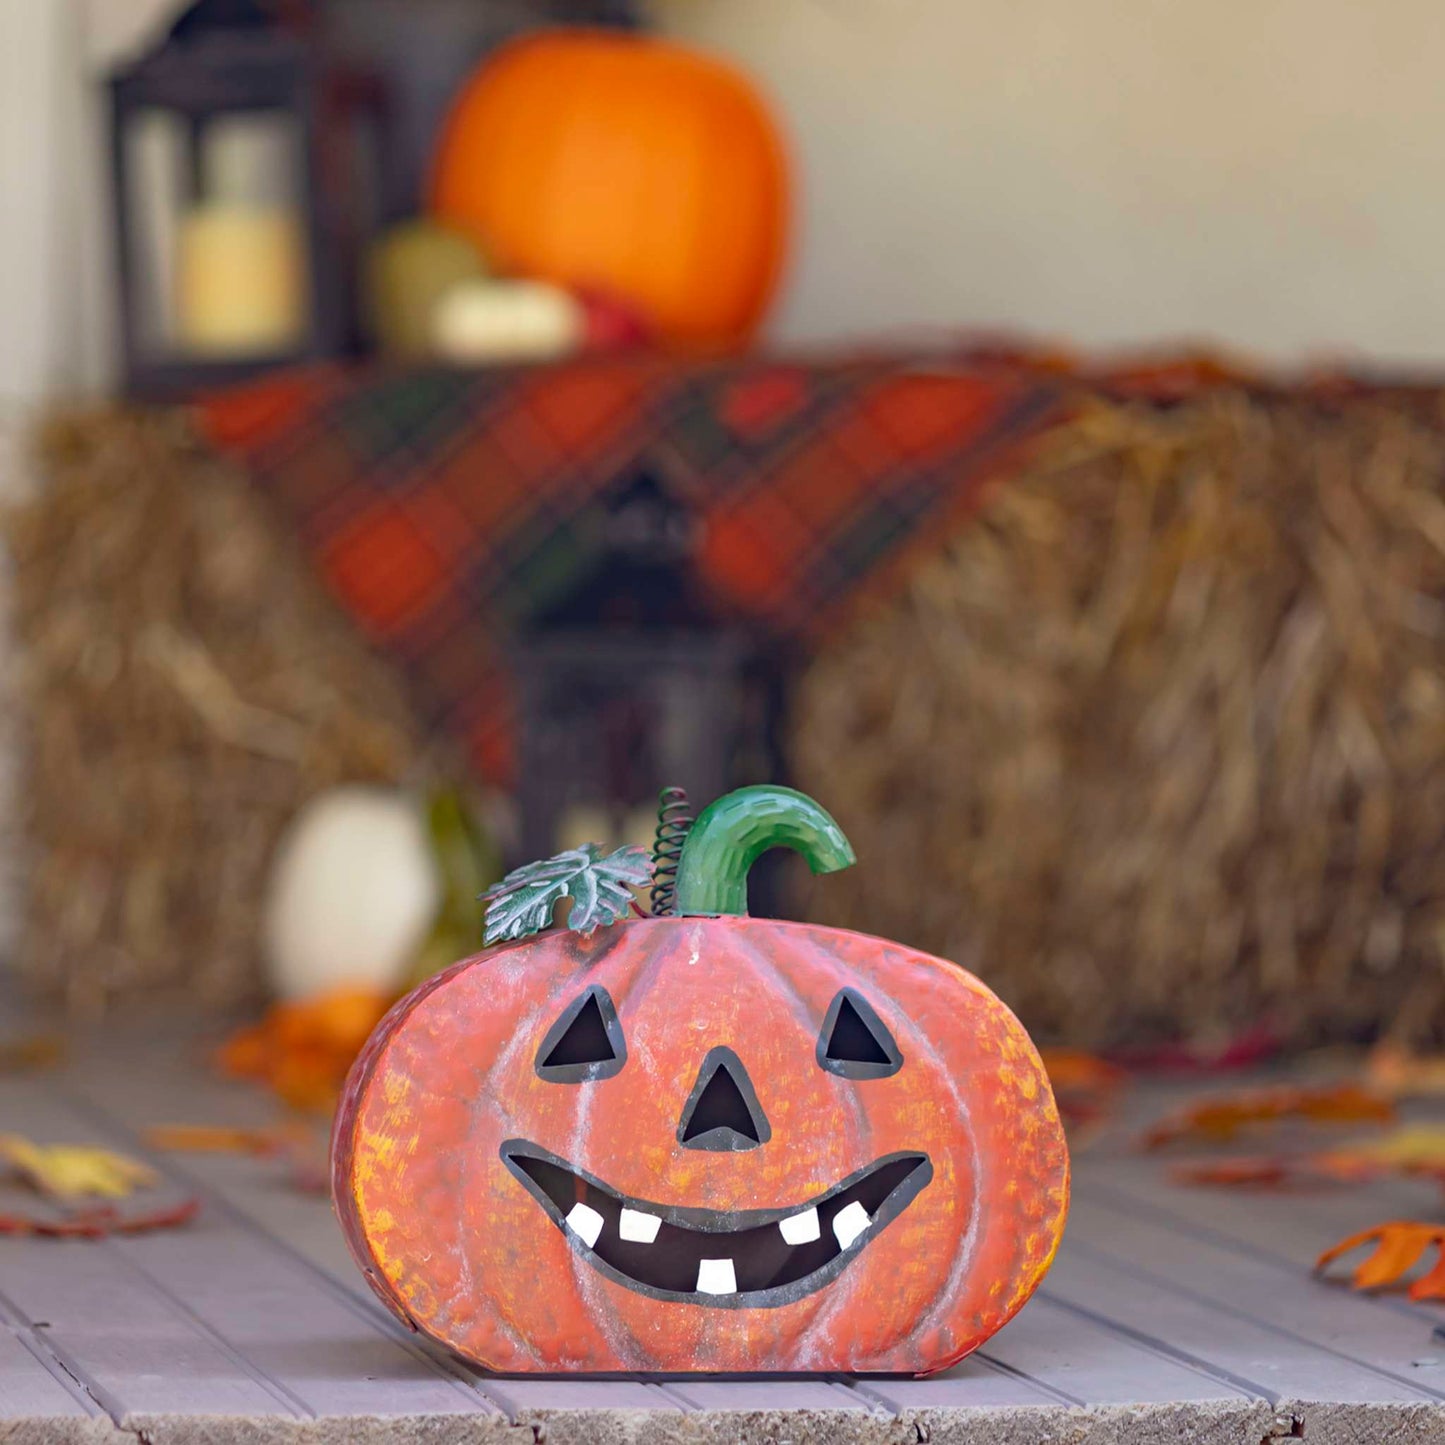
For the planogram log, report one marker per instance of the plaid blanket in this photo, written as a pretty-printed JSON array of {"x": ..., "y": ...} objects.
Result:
[{"x": 443, "y": 507}]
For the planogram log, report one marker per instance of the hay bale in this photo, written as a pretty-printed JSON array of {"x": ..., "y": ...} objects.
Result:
[
  {"x": 186, "y": 687},
  {"x": 1157, "y": 744}
]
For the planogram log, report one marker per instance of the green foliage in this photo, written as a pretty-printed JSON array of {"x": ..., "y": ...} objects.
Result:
[
  {"x": 467, "y": 861},
  {"x": 599, "y": 886}
]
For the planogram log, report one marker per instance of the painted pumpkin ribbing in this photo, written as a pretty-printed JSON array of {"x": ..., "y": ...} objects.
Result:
[{"x": 451, "y": 1239}]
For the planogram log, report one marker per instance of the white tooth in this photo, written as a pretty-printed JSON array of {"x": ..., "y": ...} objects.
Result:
[
  {"x": 640, "y": 1228},
  {"x": 715, "y": 1276},
  {"x": 849, "y": 1223},
  {"x": 585, "y": 1223},
  {"x": 801, "y": 1228}
]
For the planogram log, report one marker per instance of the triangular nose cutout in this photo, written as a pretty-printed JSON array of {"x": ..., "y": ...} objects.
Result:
[{"x": 722, "y": 1111}]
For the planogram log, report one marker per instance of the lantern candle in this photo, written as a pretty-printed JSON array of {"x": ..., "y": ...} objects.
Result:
[{"x": 240, "y": 281}]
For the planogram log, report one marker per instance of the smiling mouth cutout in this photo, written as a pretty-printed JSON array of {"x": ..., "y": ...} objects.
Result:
[{"x": 753, "y": 1258}]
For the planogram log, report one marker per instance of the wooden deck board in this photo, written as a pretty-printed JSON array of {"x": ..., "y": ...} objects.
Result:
[
  {"x": 37, "y": 1400},
  {"x": 1172, "y": 1314},
  {"x": 1288, "y": 1229},
  {"x": 1089, "y": 1363},
  {"x": 1278, "y": 1295},
  {"x": 239, "y": 1313},
  {"x": 1258, "y": 1359}
]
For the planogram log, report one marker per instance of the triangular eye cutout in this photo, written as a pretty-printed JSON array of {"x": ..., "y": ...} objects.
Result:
[
  {"x": 586, "y": 1043},
  {"x": 854, "y": 1042}
]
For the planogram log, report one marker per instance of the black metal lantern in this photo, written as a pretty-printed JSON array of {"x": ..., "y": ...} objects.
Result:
[
  {"x": 238, "y": 174},
  {"x": 628, "y": 682}
]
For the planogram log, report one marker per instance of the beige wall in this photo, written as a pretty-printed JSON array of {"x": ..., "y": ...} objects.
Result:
[
  {"x": 38, "y": 318},
  {"x": 1270, "y": 173},
  {"x": 56, "y": 322},
  {"x": 117, "y": 29}
]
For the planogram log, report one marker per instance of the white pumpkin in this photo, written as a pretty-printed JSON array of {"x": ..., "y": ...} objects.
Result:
[
  {"x": 354, "y": 891},
  {"x": 483, "y": 322}
]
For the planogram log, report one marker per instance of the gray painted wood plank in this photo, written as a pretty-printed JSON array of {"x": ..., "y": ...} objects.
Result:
[
  {"x": 1089, "y": 1363},
  {"x": 1276, "y": 1293},
  {"x": 1293, "y": 1225},
  {"x": 530, "y": 1397},
  {"x": 135, "y": 1352},
  {"x": 1258, "y": 1358},
  {"x": 772, "y": 1395},
  {"x": 257, "y": 1191},
  {"x": 1291, "y": 1228},
  {"x": 774, "y": 1410},
  {"x": 130, "y": 1346},
  {"x": 30, "y": 1388},
  {"x": 39, "y": 1404},
  {"x": 1047, "y": 1352},
  {"x": 592, "y": 1412},
  {"x": 139, "y": 1373},
  {"x": 326, "y": 1354},
  {"x": 973, "y": 1384},
  {"x": 174, "y": 1087},
  {"x": 303, "y": 1225}
]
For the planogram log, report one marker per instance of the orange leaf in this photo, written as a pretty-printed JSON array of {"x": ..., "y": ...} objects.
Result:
[
  {"x": 308, "y": 1082},
  {"x": 340, "y": 1020},
  {"x": 1431, "y": 1285},
  {"x": 1400, "y": 1072},
  {"x": 1399, "y": 1246},
  {"x": 1288, "y": 1171},
  {"x": 1341, "y": 1104},
  {"x": 100, "y": 1221},
  {"x": 303, "y": 1050},
  {"x": 1410, "y": 1149},
  {"x": 1256, "y": 1173},
  {"x": 1085, "y": 1088},
  {"x": 1223, "y": 1117},
  {"x": 1344, "y": 1166},
  {"x": 208, "y": 1139},
  {"x": 1072, "y": 1071},
  {"x": 30, "y": 1053},
  {"x": 1397, "y": 1253},
  {"x": 246, "y": 1054}
]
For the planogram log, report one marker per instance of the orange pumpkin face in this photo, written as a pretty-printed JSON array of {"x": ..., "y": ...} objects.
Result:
[
  {"x": 625, "y": 165},
  {"x": 703, "y": 1143}
]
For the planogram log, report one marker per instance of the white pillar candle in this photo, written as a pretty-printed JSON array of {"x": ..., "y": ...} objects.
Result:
[{"x": 240, "y": 281}]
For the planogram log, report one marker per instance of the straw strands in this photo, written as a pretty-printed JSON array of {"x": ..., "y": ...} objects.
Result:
[{"x": 1157, "y": 744}]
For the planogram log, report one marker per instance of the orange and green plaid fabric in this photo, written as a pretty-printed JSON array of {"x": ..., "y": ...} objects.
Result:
[{"x": 445, "y": 507}]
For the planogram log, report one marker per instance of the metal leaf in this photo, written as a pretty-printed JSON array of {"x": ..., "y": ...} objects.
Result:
[
  {"x": 599, "y": 887},
  {"x": 585, "y": 898}
]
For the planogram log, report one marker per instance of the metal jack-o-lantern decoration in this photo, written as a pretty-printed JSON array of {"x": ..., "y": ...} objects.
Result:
[{"x": 699, "y": 1141}]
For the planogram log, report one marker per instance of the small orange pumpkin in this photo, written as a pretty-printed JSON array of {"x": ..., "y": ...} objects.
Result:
[
  {"x": 625, "y": 165},
  {"x": 703, "y": 1142}
]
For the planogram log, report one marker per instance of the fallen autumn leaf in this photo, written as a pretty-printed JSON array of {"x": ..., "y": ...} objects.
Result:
[
  {"x": 1223, "y": 1117},
  {"x": 1399, "y": 1246},
  {"x": 74, "y": 1171}
]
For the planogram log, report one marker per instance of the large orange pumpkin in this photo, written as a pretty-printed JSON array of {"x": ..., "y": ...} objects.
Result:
[
  {"x": 626, "y": 164},
  {"x": 704, "y": 1142}
]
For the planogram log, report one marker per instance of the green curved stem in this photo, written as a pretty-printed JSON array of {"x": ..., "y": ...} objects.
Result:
[{"x": 731, "y": 835}]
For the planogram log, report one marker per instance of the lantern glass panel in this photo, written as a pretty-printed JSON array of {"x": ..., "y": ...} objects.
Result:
[
  {"x": 155, "y": 145},
  {"x": 217, "y": 207}
]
